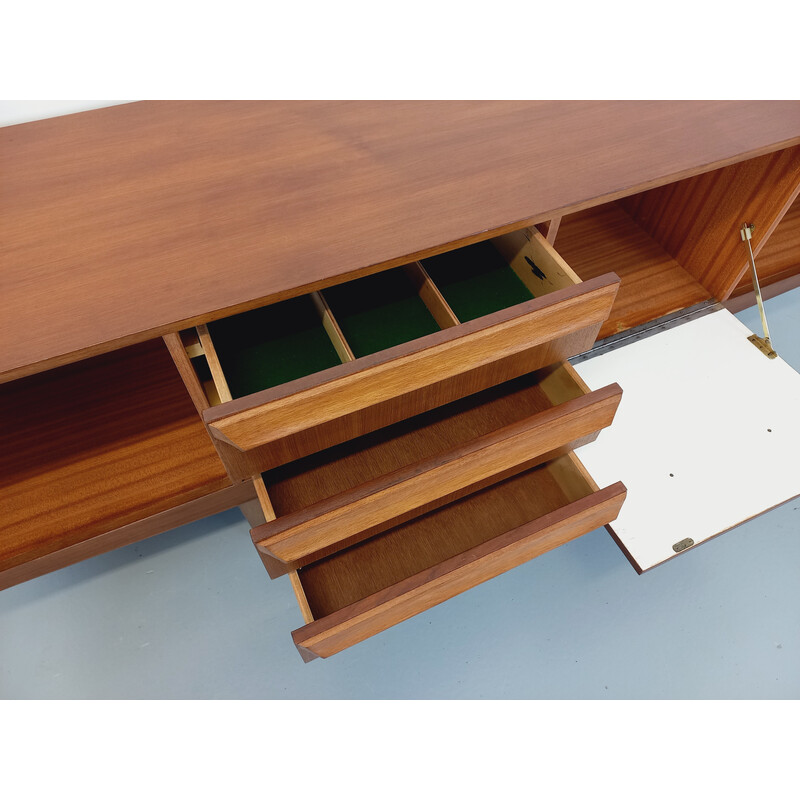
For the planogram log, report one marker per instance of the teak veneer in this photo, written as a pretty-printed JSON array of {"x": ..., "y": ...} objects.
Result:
[
  {"x": 359, "y": 396},
  {"x": 96, "y": 446},
  {"x": 177, "y": 196},
  {"x": 366, "y": 311},
  {"x": 652, "y": 283},
  {"x": 385, "y": 580},
  {"x": 298, "y": 539}
]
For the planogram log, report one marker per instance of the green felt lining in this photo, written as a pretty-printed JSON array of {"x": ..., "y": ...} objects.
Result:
[
  {"x": 379, "y": 311},
  {"x": 272, "y": 345},
  {"x": 476, "y": 281}
]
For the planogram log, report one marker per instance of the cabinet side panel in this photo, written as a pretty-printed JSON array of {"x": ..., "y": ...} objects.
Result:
[{"x": 697, "y": 220}]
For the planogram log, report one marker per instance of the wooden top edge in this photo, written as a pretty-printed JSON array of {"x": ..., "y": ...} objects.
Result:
[{"x": 125, "y": 223}]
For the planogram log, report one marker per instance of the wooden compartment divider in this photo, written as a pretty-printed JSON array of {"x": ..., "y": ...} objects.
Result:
[
  {"x": 300, "y": 594},
  {"x": 431, "y": 296},
  {"x": 217, "y": 373},
  {"x": 383, "y": 310},
  {"x": 332, "y": 327},
  {"x": 325, "y": 527},
  {"x": 184, "y": 350},
  {"x": 273, "y": 567},
  {"x": 549, "y": 229}
]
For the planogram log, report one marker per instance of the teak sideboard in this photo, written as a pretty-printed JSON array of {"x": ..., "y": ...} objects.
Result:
[{"x": 401, "y": 336}]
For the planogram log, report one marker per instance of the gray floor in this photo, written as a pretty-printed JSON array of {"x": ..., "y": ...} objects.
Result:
[{"x": 192, "y": 614}]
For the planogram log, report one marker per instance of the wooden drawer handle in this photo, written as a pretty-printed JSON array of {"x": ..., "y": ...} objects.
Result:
[
  {"x": 432, "y": 586},
  {"x": 338, "y": 522}
]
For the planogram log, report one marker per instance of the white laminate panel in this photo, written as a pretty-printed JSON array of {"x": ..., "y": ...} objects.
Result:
[{"x": 707, "y": 434}]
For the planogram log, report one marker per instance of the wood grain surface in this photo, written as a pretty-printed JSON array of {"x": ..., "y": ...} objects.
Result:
[
  {"x": 95, "y": 446},
  {"x": 698, "y": 220},
  {"x": 779, "y": 258},
  {"x": 188, "y": 374},
  {"x": 370, "y": 392},
  {"x": 242, "y": 464},
  {"x": 125, "y": 223},
  {"x": 303, "y": 483},
  {"x": 652, "y": 283},
  {"x": 214, "y": 503},
  {"x": 357, "y": 594},
  {"x": 372, "y": 508}
]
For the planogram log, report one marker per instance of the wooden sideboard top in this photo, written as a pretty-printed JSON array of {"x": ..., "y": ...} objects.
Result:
[{"x": 120, "y": 224}]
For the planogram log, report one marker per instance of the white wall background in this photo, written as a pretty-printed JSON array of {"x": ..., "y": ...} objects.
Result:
[{"x": 12, "y": 112}]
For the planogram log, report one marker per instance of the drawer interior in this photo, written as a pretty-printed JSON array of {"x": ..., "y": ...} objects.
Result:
[
  {"x": 301, "y": 483},
  {"x": 380, "y": 311},
  {"x": 269, "y": 346},
  {"x": 350, "y": 575},
  {"x": 476, "y": 280},
  {"x": 363, "y": 581},
  {"x": 272, "y": 345}
]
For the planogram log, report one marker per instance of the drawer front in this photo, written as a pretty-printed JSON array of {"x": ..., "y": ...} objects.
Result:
[
  {"x": 302, "y": 537},
  {"x": 366, "y": 617},
  {"x": 422, "y": 509},
  {"x": 307, "y": 415}
]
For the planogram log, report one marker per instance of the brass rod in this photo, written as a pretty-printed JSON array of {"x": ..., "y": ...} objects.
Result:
[{"x": 747, "y": 232}]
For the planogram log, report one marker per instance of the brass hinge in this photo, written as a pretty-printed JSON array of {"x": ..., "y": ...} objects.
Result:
[{"x": 763, "y": 343}]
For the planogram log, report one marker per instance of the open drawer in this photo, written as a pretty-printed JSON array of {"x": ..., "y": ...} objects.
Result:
[
  {"x": 290, "y": 379},
  {"x": 404, "y": 517},
  {"x": 367, "y": 588}
]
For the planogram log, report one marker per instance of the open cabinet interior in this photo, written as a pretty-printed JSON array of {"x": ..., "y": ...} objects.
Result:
[
  {"x": 97, "y": 445},
  {"x": 652, "y": 283},
  {"x": 679, "y": 245},
  {"x": 707, "y": 431}
]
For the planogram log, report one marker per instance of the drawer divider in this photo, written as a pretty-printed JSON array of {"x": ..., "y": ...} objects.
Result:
[
  {"x": 332, "y": 327},
  {"x": 330, "y": 525},
  {"x": 431, "y": 296},
  {"x": 217, "y": 373}
]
